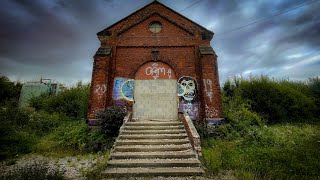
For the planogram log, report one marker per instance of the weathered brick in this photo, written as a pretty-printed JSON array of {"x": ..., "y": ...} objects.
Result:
[{"x": 182, "y": 44}]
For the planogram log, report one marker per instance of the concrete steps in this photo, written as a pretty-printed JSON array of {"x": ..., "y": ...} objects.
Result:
[
  {"x": 168, "y": 171},
  {"x": 154, "y": 155},
  {"x": 151, "y": 148},
  {"x": 154, "y": 162},
  {"x": 147, "y": 148}
]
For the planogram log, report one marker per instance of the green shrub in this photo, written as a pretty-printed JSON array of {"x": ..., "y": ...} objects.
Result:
[
  {"x": 276, "y": 101},
  {"x": 78, "y": 136},
  {"x": 72, "y": 102},
  {"x": 14, "y": 136},
  {"x": 314, "y": 84},
  {"x": 9, "y": 91},
  {"x": 15, "y": 142},
  {"x": 33, "y": 169},
  {"x": 20, "y": 129},
  {"x": 239, "y": 119},
  {"x": 112, "y": 119},
  {"x": 43, "y": 123}
]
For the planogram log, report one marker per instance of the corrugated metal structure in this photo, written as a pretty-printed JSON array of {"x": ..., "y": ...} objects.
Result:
[{"x": 34, "y": 89}]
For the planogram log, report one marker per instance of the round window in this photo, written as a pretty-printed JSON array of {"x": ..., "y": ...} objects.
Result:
[{"x": 155, "y": 27}]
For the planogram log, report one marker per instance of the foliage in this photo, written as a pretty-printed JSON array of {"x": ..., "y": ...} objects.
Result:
[
  {"x": 112, "y": 119},
  {"x": 276, "y": 101},
  {"x": 33, "y": 169},
  {"x": 239, "y": 119},
  {"x": 78, "y": 136},
  {"x": 314, "y": 84},
  {"x": 72, "y": 102},
  {"x": 9, "y": 91},
  {"x": 14, "y": 136},
  {"x": 283, "y": 151},
  {"x": 251, "y": 149}
]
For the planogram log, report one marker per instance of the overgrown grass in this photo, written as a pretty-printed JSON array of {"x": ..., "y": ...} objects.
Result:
[
  {"x": 72, "y": 102},
  {"x": 52, "y": 125},
  {"x": 271, "y": 131},
  {"x": 282, "y": 151},
  {"x": 278, "y": 101}
]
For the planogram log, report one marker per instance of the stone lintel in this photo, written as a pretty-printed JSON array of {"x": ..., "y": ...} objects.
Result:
[
  {"x": 104, "y": 51},
  {"x": 206, "y": 50}
]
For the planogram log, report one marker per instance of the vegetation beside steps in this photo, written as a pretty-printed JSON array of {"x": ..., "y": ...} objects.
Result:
[
  {"x": 154, "y": 149},
  {"x": 271, "y": 131}
]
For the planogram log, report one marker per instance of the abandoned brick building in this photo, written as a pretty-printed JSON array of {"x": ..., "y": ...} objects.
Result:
[{"x": 157, "y": 63}]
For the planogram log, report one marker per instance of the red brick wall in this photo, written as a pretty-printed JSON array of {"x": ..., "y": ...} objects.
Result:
[{"x": 178, "y": 44}]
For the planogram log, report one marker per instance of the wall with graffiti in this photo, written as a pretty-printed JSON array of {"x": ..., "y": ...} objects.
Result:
[
  {"x": 122, "y": 91},
  {"x": 155, "y": 70},
  {"x": 187, "y": 91}
]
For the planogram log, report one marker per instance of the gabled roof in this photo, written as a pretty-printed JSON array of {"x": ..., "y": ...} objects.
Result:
[{"x": 107, "y": 30}]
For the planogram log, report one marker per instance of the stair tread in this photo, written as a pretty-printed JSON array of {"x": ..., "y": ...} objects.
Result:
[
  {"x": 170, "y": 147},
  {"x": 155, "y": 171},
  {"x": 186, "y": 140},
  {"x": 153, "y": 123},
  {"x": 155, "y": 161},
  {"x": 154, "y": 127},
  {"x": 153, "y": 136},
  {"x": 154, "y": 131},
  {"x": 186, "y": 152}
]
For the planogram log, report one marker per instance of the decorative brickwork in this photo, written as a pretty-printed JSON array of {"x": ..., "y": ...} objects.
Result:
[{"x": 181, "y": 44}]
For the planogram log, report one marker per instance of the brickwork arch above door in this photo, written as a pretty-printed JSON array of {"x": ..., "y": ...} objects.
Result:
[{"x": 155, "y": 71}]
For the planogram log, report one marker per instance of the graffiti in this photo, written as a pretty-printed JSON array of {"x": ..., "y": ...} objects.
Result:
[
  {"x": 123, "y": 89},
  {"x": 120, "y": 102},
  {"x": 191, "y": 108},
  {"x": 127, "y": 90},
  {"x": 211, "y": 112},
  {"x": 156, "y": 71},
  {"x": 100, "y": 89},
  {"x": 187, "y": 88},
  {"x": 207, "y": 83},
  {"x": 116, "y": 87}
]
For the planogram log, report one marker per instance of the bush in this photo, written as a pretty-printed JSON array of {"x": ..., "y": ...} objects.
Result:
[
  {"x": 33, "y": 169},
  {"x": 43, "y": 123},
  {"x": 9, "y": 91},
  {"x": 276, "y": 101},
  {"x": 20, "y": 129},
  {"x": 314, "y": 84},
  {"x": 14, "y": 137},
  {"x": 78, "y": 136},
  {"x": 239, "y": 119},
  {"x": 72, "y": 102},
  {"x": 112, "y": 119}
]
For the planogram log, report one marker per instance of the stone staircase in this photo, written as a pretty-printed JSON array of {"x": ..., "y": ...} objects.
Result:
[{"x": 153, "y": 148}]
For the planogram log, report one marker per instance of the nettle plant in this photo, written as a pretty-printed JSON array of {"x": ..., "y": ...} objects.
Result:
[{"x": 111, "y": 119}]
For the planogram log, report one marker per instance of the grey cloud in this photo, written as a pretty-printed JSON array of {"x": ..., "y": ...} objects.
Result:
[{"x": 57, "y": 38}]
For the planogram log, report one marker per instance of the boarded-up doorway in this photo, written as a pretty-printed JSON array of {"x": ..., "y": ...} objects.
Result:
[{"x": 155, "y": 92}]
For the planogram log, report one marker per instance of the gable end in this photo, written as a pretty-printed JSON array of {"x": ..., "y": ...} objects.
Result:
[
  {"x": 155, "y": 13},
  {"x": 134, "y": 17}
]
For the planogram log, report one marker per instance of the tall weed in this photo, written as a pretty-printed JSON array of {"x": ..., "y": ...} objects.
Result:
[
  {"x": 72, "y": 102},
  {"x": 275, "y": 101}
]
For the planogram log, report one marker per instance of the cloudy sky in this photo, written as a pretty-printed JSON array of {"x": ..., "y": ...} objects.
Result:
[{"x": 57, "y": 38}]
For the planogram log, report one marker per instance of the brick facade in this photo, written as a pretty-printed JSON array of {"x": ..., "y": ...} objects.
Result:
[{"x": 181, "y": 44}]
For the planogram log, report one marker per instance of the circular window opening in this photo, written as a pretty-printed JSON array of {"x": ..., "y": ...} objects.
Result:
[{"x": 155, "y": 27}]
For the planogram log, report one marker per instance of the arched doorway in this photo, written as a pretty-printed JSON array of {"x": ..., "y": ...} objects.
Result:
[{"x": 155, "y": 92}]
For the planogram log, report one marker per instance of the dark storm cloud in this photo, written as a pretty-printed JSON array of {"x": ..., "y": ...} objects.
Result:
[{"x": 57, "y": 38}]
